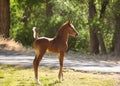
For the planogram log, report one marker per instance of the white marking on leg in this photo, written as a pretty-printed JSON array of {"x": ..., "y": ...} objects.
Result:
[
  {"x": 37, "y": 81},
  {"x": 37, "y": 52}
]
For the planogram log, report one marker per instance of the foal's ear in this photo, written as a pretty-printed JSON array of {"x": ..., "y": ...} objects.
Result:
[{"x": 70, "y": 21}]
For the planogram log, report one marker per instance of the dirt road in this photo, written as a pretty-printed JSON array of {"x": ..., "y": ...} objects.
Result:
[{"x": 51, "y": 60}]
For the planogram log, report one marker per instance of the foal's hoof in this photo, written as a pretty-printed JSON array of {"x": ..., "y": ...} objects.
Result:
[
  {"x": 60, "y": 80},
  {"x": 38, "y": 82},
  {"x": 63, "y": 79}
]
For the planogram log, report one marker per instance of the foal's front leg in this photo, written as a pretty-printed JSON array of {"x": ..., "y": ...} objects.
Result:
[{"x": 61, "y": 58}]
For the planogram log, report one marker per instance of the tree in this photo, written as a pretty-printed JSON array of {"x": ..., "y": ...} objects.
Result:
[
  {"x": 48, "y": 8},
  {"x": 4, "y": 18},
  {"x": 96, "y": 36},
  {"x": 94, "y": 42},
  {"x": 99, "y": 32},
  {"x": 116, "y": 37}
]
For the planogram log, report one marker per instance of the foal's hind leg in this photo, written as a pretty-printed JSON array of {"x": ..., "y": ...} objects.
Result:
[
  {"x": 61, "y": 58},
  {"x": 36, "y": 62},
  {"x": 36, "y": 69}
]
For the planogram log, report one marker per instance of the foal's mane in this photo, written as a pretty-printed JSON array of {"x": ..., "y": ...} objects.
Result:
[
  {"x": 62, "y": 28},
  {"x": 63, "y": 25}
]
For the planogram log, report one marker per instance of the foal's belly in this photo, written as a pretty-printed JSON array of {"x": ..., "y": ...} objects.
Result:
[
  {"x": 53, "y": 50},
  {"x": 56, "y": 48}
]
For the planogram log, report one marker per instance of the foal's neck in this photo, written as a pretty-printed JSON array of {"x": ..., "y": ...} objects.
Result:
[{"x": 62, "y": 35}]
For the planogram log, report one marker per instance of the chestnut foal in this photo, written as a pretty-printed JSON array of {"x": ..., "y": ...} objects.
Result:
[{"x": 58, "y": 44}]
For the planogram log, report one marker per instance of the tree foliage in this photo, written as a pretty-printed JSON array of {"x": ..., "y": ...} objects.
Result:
[
  {"x": 48, "y": 15},
  {"x": 25, "y": 15}
]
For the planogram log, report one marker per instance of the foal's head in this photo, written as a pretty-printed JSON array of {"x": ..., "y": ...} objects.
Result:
[{"x": 71, "y": 29}]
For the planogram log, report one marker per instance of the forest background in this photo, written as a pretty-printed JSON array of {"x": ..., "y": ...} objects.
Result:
[{"x": 97, "y": 21}]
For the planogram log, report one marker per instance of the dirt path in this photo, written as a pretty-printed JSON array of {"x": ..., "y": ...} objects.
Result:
[{"x": 70, "y": 61}]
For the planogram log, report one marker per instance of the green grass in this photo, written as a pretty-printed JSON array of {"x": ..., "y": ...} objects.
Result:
[{"x": 11, "y": 75}]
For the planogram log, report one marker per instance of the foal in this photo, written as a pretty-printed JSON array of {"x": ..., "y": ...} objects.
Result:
[{"x": 58, "y": 44}]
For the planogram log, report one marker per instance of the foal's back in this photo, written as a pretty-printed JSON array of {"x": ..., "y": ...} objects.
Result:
[{"x": 53, "y": 45}]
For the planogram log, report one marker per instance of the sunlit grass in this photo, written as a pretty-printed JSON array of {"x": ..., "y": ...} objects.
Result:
[{"x": 11, "y": 75}]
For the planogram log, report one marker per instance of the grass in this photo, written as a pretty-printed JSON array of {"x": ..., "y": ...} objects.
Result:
[{"x": 11, "y": 75}]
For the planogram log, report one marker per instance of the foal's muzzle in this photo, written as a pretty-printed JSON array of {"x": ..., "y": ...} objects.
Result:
[{"x": 76, "y": 34}]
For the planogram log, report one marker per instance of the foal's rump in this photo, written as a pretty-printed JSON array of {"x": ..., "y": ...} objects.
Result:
[{"x": 41, "y": 44}]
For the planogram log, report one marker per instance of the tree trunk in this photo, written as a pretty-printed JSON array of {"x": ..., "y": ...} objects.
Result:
[
  {"x": 48, "y": 8},
  {"x": 94, "y": 43},
  {"x": 117, "y": 37},
  {"x": 96, "y": 36},
  {"x": 101, "y": 43},
  {"x": 4, "y": 18},
  {"x": 101, "y": 18}
]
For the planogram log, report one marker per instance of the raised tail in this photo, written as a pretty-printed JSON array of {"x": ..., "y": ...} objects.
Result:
[{"x": 35, "y": 32}]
